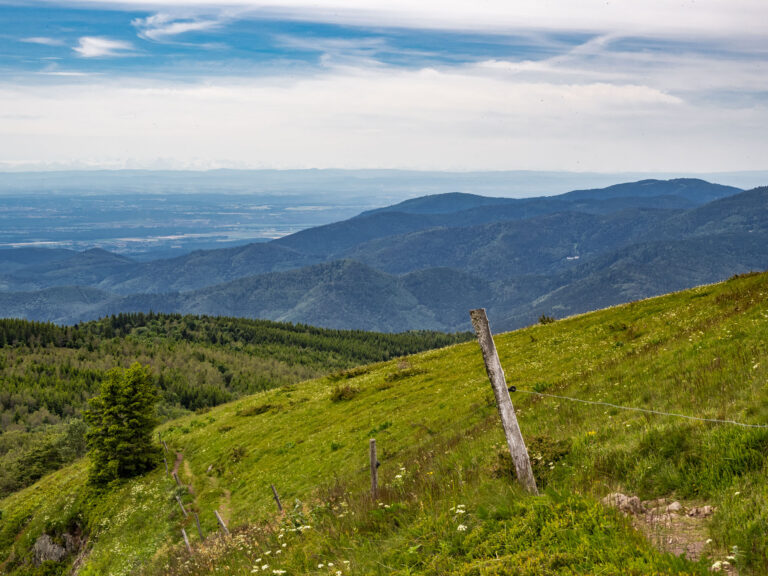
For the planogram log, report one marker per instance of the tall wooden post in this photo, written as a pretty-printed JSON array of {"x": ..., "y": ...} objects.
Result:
[
  {"x": 374, "y": 471},
  {"x": 507, "y": 412}
]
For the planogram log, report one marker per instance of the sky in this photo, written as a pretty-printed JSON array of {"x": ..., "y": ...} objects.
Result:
[{"x": 573, "y": 85}]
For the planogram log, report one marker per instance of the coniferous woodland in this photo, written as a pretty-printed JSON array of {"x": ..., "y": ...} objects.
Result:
[{"x": 48, "y": 372}]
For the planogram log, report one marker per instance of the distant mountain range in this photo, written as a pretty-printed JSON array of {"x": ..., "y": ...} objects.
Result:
[{"x": 425, "y": 262}]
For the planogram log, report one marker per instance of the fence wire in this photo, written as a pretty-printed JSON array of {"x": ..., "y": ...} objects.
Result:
[{"x": 635, "y": 409}]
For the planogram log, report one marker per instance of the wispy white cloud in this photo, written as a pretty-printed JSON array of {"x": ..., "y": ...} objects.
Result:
[
  {"x": 43, "y": 40},
  {"x": 460, "y": 118},
  {"x": 163, "y": 27},
  {"x": 684, "y": 72},
  {"x": 338, "y": 51},
  {"x": 100, "y": 47},
  {"x": 67, "y": 73},
  {"x": 712, "y": 17}
]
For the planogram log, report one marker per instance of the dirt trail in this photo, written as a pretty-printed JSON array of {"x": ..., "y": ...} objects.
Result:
[
  {"x": 179, "y": 458},
  {"x": 225, "y": 509}
]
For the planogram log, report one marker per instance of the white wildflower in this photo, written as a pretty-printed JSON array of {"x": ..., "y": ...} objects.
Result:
[{"x": 461, "y": 528}]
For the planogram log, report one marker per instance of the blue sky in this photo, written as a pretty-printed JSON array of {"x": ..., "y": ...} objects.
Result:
[
  {"x": 43, "y": 40},
  {"x": 560, "y": 85}
]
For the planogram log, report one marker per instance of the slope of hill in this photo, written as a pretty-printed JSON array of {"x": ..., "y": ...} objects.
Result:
[
  {"x": 81, "y": 269},
  {"x": 543, "y": 244},
  {"x": 202, "y": 268},
  {"x": 49, "y": 372},
  {"x": 448, "y": 504},
  {"x": 14, "y": 258}
]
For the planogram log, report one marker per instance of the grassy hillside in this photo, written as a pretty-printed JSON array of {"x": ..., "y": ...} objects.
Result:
[
  {"x": 48, "y": 372},
  {"x": 449, "y": 504}
]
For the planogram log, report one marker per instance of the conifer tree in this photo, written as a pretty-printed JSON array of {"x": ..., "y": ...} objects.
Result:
[{"x": 121, "y": 419}]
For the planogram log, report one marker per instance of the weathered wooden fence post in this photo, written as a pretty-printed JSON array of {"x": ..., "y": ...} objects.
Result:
[
  {"x": 374, "y": 471},
  {"x": 199, "y": 530},
  {"x": 507, "y": 412},
  {"x": 181, "y": 506},
  {"x": 186, "y": 540},
  {"x": 277, "y": 499},
  {"x": 221, "y": 523},
  {"x": 176, "y": 477}
]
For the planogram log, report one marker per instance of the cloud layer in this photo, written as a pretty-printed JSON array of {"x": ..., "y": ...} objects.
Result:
[{"x": 578, "y": 85}]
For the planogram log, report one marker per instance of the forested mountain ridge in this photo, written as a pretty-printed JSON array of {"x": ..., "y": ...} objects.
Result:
[{"x": 519, "y": 258}]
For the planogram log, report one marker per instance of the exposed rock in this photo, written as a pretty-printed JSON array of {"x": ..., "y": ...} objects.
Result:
[
  {"x": 674, "y": 508},
  {"x": 627, "y": 504},
  {"x": 670, "y": 526},
  {"x": 648, "y": 504},
  {"x": 701, "y": 512},
  {"x": 46, "y": 549}
]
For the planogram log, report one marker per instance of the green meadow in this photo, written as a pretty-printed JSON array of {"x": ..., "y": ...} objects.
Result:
[{"x": 449, "y": 503}]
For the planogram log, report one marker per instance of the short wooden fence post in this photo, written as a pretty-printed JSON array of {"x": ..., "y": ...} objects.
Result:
[
  {"x": 221, "y": 523},
  {"x": 181, "y": 506},
  {"x": 186, "y": 540},
  {"x": 277, "y": 499},
  {"x": 199, "y": 530},
  {"x": 374, "y": 471}
]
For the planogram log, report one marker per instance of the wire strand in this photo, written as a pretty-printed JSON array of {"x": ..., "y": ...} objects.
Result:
[{"x": 646, "y": 410}]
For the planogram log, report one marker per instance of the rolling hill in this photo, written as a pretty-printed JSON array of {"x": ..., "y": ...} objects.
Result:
[
  {"x": 448, "y": 502},
  {"x": 421, "y": 263},
  {"x": 49, "y": 372}
]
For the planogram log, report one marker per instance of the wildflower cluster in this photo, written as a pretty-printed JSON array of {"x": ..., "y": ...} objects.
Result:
[
  {"x": 730, "y": 560},
  {"x": 459, "y": 512},
  {"x": 399, "y": 480}
]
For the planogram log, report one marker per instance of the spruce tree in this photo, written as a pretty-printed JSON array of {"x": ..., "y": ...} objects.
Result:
[{"x": 121, "y": 419}]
